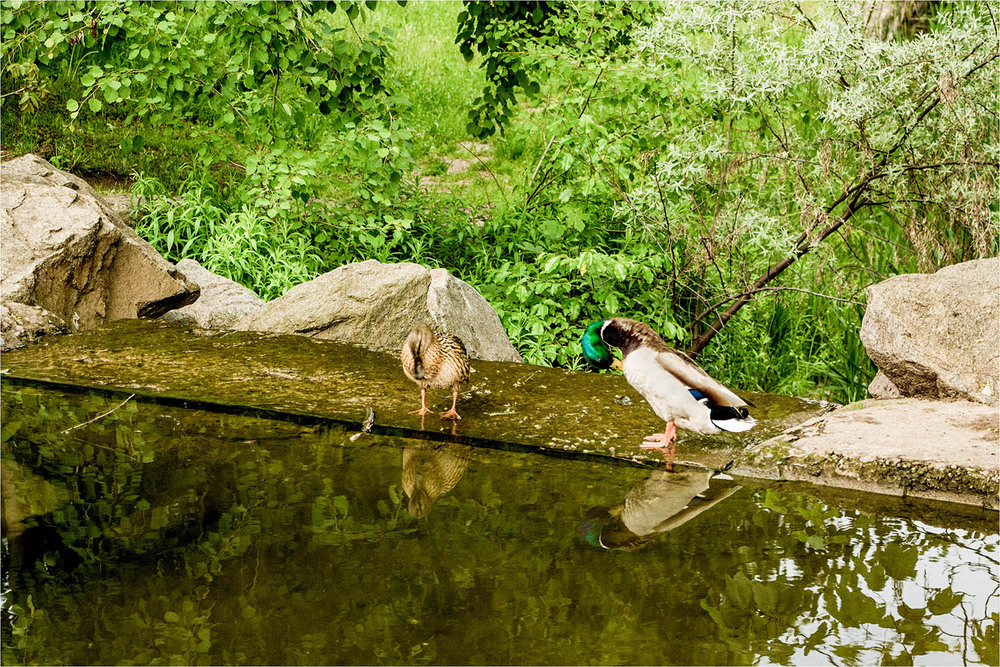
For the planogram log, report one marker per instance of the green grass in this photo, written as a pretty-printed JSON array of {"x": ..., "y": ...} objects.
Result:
[
  {"x": 440, "y": 86},
  {"x": 91, "y": 146},
  {"x": 428, "y": 63}
]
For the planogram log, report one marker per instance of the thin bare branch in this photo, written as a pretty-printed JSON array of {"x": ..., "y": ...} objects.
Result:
[{"x": 100, "y": 416}]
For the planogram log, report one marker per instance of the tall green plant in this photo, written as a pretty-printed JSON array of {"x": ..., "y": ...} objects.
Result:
[
  {"x": 744, "y": 140},
  {"x": 809, "y": 127}
]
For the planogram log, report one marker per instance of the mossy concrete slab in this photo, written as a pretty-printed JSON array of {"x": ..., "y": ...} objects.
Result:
[
  {"x": 505, "y": 404},
  {"x": 944, "y": 450}
]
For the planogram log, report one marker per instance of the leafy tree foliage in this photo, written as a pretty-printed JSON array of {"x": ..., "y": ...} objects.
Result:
[
  {"x": 499, "y": 31},
  {"x": 763, "y": 129},
  {"x": 517, "y": 38},
  {"x": 278, "y": 89}
]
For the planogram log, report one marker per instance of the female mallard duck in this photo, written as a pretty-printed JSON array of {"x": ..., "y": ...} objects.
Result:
[
  {"x": 679, "y": 390},
  {"x": 435, "y": 361}
]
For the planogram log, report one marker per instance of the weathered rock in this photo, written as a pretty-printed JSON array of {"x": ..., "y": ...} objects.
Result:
[
  {"x": 65, "y": 251},
  {"x": 21, "y": 324},
  {"x": 223, "y": 302},
  {"x": 945, "y": 450},
  {"x": 882, "y": 387},
  {"x": 456, "y": 307},
  {"x": 938, "y": 335},
  {"x": 368, "y": 303},
  {"x": 375, "y": 305}
]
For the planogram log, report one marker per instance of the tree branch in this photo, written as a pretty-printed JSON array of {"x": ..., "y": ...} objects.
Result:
[
  {"x": 802, "y": 247},
  {"x": 771, "y": 290},
  {"x": 806, "y": 242}
]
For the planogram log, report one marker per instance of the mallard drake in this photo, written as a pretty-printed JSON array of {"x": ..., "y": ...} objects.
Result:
[
  {"x": 679, "y": 390},
  {"x": 435, "y": 361}
]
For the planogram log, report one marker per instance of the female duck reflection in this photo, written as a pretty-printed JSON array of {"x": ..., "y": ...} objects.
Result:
[
  {"x": 430, "y": 471},
  {"x": 660, "y": 503}
]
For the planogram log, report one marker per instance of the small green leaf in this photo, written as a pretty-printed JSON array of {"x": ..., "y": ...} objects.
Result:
[{"x": 943, "y": 601}]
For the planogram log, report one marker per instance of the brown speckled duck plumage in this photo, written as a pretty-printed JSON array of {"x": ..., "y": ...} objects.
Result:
[{"x": 435, "y": 361}]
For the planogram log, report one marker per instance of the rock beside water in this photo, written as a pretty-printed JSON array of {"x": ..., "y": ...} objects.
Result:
[
  {"x": 375, "y": 305},
  {"x": 945, "y": 450},
  {"x": 456, "y": 307},
  {"x": 66, "y": 253},
  {"x": 223, "y": 302},
  {"x": 933, "y": 429},
  {"x": 937, "y": 335},
  {"x": 21, "y": 324}
]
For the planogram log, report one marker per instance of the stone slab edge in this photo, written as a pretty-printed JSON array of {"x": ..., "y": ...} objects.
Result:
[{"x": 779, "y": 459}]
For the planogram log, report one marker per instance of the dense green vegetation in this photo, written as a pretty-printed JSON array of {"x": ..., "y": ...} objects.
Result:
[{"x": 669, "y": 162}]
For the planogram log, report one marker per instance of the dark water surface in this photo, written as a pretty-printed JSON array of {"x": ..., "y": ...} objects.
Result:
[{"x": 160, "y": 535}]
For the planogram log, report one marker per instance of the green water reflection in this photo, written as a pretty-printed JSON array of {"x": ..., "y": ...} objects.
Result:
[{"x": 159, "y": 535}]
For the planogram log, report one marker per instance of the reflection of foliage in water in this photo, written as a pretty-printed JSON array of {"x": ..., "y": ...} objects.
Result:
[
  {"x": 845, "y": 571},
  {"x": 274, "y": 543}
]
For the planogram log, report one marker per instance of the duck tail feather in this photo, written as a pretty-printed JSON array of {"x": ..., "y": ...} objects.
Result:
[
  {"x": 735, "y": 425},
  {"x": 734, "y": 420}
]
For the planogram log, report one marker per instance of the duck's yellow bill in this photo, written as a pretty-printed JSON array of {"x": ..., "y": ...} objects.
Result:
[{"x": 616, "y": 364}]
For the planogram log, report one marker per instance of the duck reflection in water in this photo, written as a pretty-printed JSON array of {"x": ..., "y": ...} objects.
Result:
[
  {"x": 430, "y": 471},
  {"x": 660, "y": 503}
]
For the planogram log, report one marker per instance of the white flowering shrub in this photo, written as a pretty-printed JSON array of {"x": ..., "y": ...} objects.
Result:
[{"x": 801, "y": 127}]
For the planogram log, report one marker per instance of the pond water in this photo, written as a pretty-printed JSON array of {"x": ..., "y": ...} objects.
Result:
[{"x": 144, "y": 533}]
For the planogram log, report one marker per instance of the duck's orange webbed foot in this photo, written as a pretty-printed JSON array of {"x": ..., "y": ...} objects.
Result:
[
  {"x": 423, "y": 405},
  {"x": 452, "y": 414},
  {"x": 665, "y": 443}
]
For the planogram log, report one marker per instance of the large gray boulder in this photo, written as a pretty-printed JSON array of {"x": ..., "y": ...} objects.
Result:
[
  {"x": 66, "y": 252},
  {"x": 937, "y": 335},
  {"x": 223, "y": 302},
  {"x": 457, "y": 307},
  {"x": 375, "y": 305}
]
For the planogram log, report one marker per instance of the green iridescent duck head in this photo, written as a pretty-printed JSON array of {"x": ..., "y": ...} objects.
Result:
[{"x": 595, "y": 350}]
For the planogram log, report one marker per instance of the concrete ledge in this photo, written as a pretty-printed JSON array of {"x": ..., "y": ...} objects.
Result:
[
  {"x": 943, "y": 450},
  {"x": 505, "y": 403}
]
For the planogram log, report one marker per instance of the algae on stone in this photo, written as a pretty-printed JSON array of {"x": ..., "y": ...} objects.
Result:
[{"x": 505, "y": 404}]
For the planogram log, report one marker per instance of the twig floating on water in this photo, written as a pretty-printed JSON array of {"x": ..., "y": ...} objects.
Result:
[{"x": 91, "y": 421}]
